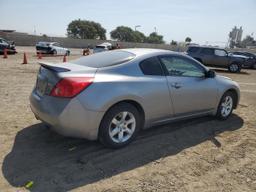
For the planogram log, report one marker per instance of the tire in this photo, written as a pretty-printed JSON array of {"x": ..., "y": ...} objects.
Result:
[
  {"x": 225, "y": 110},
  {"x": 67, "y": 53},
  {"x": 254, "y": 66},
  {"x": 54, "y": 52},
  {"x": 234, "y": 68},
  {"x": 128, "y": 118}
]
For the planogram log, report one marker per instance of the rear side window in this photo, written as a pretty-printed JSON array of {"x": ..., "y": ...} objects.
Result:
[
  {"x": 220, "y": 52},
  {"x": 207, "y": 51},
  {"x": 192, "y": 49},
  {"x": 105, "y": 59},
  {"x": 151, "y": 66}
]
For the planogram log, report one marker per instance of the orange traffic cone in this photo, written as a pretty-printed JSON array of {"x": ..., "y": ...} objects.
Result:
[
  {"x": 64, "y": 59},
  {"x": 25, "y": 61},
  {"x": 39, "y": 55},
  {"x": 5, "y": 54}
]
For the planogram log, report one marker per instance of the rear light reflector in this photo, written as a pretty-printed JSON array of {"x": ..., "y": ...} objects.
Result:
[{"x": 71, "y": 86}]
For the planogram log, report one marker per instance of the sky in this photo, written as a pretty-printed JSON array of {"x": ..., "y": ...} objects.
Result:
[{"x": 205, "y": 21}]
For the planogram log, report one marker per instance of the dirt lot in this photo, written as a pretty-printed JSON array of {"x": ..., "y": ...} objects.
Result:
[{"x": 198, "y": 155}]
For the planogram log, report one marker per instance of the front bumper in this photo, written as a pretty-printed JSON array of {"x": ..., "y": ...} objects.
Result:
[{"x": 68, "y": 117}]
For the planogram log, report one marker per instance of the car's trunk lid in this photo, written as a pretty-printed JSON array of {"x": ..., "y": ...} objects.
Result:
[{"x": 50, "y": 74}]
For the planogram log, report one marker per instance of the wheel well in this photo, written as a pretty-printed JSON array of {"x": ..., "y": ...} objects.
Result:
[
  {"x": 136, "y": 105},
  {"x": 233, "y": 91},
  {"x": 235, "y": 62}
]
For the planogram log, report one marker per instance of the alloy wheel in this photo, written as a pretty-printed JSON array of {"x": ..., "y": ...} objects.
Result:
[
  {"x": 122, "y": 127},
  {"x": 226, "y": 106}
]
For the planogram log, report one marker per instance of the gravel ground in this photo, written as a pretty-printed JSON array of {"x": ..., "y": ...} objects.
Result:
[{"x": 197, "y": 155}]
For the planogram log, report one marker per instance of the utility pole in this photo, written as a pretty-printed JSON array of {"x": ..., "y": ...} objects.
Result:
[{"x": 136, "y": 26}]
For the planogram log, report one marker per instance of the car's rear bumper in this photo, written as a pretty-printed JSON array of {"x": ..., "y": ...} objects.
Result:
[{"x": 66, "y": 116}]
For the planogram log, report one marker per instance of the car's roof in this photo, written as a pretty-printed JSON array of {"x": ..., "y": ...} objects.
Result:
[
  {"x": 119, "y": 56},
  {"x": 46, "y": 42},
  {"x": 144, "y": 51},
  {"x": 208, "y": 47}
]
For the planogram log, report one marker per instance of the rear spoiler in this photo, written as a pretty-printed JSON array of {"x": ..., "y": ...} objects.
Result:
[{"x": 54, "y": 67}]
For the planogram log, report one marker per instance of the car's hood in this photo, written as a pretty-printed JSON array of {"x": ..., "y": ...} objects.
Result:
[
  {"x": 239, "y": 56},
  {"x": 223, "y": 77}
]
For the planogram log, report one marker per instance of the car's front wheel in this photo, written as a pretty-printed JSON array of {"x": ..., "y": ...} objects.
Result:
[
  {"x": 234, "y": 68},
  {"x": 226, "y": 105},
  {"x": 120, "y": 125}
]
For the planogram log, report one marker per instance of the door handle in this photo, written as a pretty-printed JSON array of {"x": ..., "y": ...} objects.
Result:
[{"x": 176, "y": 85}]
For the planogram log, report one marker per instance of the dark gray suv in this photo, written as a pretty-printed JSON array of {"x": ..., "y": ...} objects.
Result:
[{"x": 217, "y": 57}]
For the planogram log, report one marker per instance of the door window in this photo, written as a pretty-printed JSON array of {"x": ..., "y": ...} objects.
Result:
[
  {"x": 207, "y": 51},
  {"x": 179, "y": 66},
  {"x": 219, "y": 52},
  {"x": 151, "y": 66}
]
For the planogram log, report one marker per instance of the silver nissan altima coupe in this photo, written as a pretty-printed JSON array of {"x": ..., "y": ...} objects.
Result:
[{"x": 111, "y": 95}]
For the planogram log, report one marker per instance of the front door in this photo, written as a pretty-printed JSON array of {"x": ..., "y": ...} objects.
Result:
[
  {"x": 190, "y": 91},
  {"x": 221, "y": 57}
]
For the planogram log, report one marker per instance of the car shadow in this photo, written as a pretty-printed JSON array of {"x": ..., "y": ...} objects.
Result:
[
  {"x": 57, "y": 163},
  {"x": 227, "y": 71}
]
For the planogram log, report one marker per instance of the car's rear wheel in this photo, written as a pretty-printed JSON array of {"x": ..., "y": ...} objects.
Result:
[
  {"x": 120, "y": 125},
  {"x": 226, "y": 105},
  {"x": 234, "y": 68}
]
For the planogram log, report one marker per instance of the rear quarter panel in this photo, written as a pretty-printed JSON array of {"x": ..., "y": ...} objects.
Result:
[{"x": 126, "y": 82}]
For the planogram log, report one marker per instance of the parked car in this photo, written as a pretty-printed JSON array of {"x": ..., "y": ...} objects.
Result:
[
  {"x": 9, "y": 45},
  {"x": 102, "y": 47},
  {"x": 111, "y": 95},
  {"x": 51, "y": 48},
  {"x": 217, "y": 57},
  {"x": 251, "y": 58}
]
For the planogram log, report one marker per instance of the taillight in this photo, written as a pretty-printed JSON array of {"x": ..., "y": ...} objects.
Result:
[{"x": 71, "y": 86}]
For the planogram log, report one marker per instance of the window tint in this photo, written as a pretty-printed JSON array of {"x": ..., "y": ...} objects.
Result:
[
  {"x": 178, "y": 66},
  {"x": 151, "y": 66},
  {"x": 220, "y": 52},
  {"x": 193, "y": 49},
  {"x": 105, "y": 59},
  {"x": 207, "y": 51}
]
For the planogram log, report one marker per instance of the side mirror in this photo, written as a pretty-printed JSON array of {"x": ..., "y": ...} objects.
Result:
[{"x": 210, "y": 74}]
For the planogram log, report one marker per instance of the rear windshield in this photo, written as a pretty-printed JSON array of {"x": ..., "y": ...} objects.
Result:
[{"x": 105, "y": 59}]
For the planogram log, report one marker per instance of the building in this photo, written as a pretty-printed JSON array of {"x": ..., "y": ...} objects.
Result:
[{"x": 235, "y": 36}]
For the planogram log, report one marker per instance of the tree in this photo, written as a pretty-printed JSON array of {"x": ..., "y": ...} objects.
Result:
[
  {"x": 174, "y": 42},
  {"x": 83, "y": 29},
  {"x": 188, "y": 40},
  {"x": 139, "y": 37},
  {"x": 248, "y": 40},
  {"x": 123, "y": 33},
  {"x": 154, "y": 38}
]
